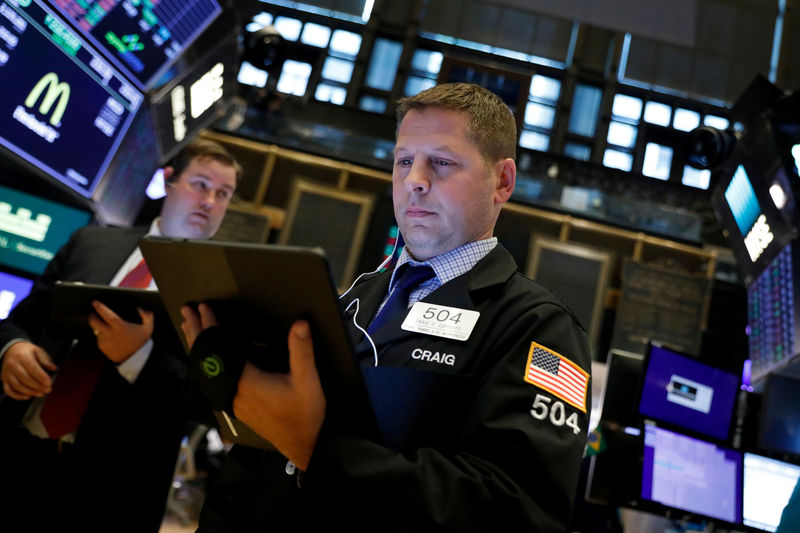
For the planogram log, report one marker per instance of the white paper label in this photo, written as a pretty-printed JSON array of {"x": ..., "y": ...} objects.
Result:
[{"x": 441, "y": 321}]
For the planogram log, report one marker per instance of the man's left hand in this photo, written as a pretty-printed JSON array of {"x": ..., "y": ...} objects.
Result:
[{"x": 117, "y": 338}]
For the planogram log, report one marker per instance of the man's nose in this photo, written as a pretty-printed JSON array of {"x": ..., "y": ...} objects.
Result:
[
  {"x": 209, "y": 199},
  {"x": 418, "y": 179}
]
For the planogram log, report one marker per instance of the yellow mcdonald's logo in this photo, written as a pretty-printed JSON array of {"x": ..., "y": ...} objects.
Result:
[{"x": 55, "y": 90}]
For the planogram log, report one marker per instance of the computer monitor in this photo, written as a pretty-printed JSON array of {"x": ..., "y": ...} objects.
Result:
[
  {"x": 13, "y": 288},
  {"x": 65, "y": 109},
  {"x": 779, "y": 427},
  {"x": 690, "y": 475},
  {"x": 682, "y": 391},
  {"x": 32, "y": 229},
  {"x": 767, "y": 486},
  {"x": 142, "y": 39},
  {"x": 615, "y": 473},
  {"x": 757, "y": 209},
  {"x": 773, "y": 319},
  {"x": 623, "y": 381}
]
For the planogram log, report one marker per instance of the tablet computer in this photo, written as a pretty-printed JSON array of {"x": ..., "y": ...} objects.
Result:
[
  {"x": 259, "y": 290},
  {"x": 72, "y": 303}
]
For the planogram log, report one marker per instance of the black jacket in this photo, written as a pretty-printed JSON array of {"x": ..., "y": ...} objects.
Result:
[
  {"x": 468, "y": 444},
  {"x": 127, "y": 444}
]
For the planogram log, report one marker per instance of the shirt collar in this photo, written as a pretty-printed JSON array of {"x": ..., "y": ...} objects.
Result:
[
  {"x": 155, "y": 229},
  {"x": 450, "y": 264}
]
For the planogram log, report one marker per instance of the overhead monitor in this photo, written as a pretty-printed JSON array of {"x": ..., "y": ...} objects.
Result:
[
  {"x": 682, "y": 391},
  {"x": 65, "y": 109},
  {"x": 691, "y": 475},
  {"x": 32, "y": 229},
  {"x": 757, "y": 208},
  {"x": 13, "y": 288},
  {"x": 142, "y": 38},
  {"x": 773, "y": 317},
  {"x": 767, "y": 486},
  {"x": 191, "y": 101}
]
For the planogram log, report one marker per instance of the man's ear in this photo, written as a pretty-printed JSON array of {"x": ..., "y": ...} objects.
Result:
[
  {"x": 506, "y": 180},
  {"x": 169, "y": 172}
]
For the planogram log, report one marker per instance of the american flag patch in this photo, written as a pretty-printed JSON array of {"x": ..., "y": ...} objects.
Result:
[{"x": 557, "y": 375}]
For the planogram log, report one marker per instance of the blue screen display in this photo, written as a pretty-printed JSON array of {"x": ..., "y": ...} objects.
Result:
[
  {"x": 682, "y": 391},
  {"x": 742, "y": 200},
  {"x": 64, "y": 108},
  {"x": 141, "y": 38}
]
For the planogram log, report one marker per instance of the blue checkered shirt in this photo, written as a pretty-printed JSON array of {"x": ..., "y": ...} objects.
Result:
[{"x": 446, "y": 266}]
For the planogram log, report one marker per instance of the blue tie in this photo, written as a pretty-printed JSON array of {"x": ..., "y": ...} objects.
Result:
[{"x": 409, "y": 277}]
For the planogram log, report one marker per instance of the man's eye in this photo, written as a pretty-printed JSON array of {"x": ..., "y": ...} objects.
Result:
[
  {"x": 442, "y": 163},
  {"x": 404, "y": 162}
]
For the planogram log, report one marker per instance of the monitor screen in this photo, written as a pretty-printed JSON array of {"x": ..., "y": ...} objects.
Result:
[
  {"x": 32, "y": 229},
  {"x": 142, "y": 39},
  {"x": 771, "y": 316},
  {"x": 623, "y": 382},
  {"x": 192, "y": 100},
  {"x": 680, "y": 390},
  {"x": 779, "y": 427},
  {"x": 12, "y": 290},
  {"x": 767, "y": 486},
  {"x": 691, "y": 475},
  {"x": 741, "y": 198},
  {"x": 65, "y": 109}
]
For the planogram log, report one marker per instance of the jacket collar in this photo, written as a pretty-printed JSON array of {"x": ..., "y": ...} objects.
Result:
[{"x": 491, "y": 271}]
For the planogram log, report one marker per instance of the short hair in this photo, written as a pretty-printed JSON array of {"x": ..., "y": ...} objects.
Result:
[
  {"x": 491, "y": 125},
  {"x": 203, "y": 148}
]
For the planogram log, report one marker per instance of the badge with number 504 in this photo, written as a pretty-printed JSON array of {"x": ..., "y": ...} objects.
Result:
[{"x": 441, "y": 321}]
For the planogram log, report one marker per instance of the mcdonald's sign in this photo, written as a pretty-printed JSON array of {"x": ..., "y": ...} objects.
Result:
[{"x": 55, "y": 91}]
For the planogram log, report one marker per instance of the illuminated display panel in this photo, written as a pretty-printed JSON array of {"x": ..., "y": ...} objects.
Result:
[
  {"x": 142, "y": 37},
  {"x": 33, "y": 229},
  {"x": 767, "y": 487},
  {"x": 757, "y": 210},
  {"x": 742, "y": 200},
  {"x": 680, "y": 390},
  {"x": 64, "y": 108},
  {"x": 12, "y": 290},
  {"x": 189, "y": 102},
  {"x": 772, "y": 315},
  {"x": 691, "y": 475}
]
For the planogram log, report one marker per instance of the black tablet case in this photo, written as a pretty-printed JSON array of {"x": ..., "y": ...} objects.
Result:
[{"x": 263, "y": 289}]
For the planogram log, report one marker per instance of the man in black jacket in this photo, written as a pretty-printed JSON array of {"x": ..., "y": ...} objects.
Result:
[
  {"x": 112, "y": 468},
  {"x": 479, "y": 380}
]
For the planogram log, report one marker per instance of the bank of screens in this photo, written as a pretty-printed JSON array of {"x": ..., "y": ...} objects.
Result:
[
  {"x": 691, "y": 475},
  {"x": 65, "y": 109},
  {"x": 143, "y": 38},
  {"x": 680, "y": 390},
  {"x": 32, "y": 229},
  {"x": 12, "y": 290},
  {"x": 779, "y": 426},
  {"x": 767, "y": 486}
]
